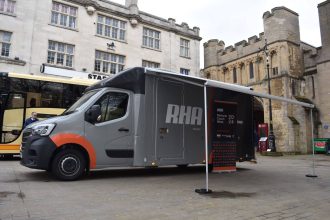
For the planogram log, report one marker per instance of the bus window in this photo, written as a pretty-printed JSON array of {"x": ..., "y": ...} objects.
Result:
[
  {"x": 51, "y": 95},
  {"x": 33, "y": 100},
  {"x": 4, "y": 83},
  {"x": 44, "y": 94},
  {"x": 13, "y": 117},
  {"x": 33, "y": 103},
  {"x": 71, "y": 93},
  {"x": 3, "y": 99}
]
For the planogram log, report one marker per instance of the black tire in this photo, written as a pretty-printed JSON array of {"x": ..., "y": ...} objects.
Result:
[
  {"x": 68, "y": 165},
  {"x": 182, "y": 166}
]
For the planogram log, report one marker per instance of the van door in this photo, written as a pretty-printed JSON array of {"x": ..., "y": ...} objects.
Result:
[
  {"x": 112, "y": 134},
  {"x": 169, "y": 141}
]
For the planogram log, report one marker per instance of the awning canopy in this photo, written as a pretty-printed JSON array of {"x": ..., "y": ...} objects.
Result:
[{"x": 218, "y": 84}]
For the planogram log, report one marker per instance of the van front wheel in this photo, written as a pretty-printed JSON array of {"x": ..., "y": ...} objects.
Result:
[{"x": 69, "y": 164}]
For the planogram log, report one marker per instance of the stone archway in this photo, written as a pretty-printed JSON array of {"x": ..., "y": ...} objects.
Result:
[{"x": 258, "y": 112}]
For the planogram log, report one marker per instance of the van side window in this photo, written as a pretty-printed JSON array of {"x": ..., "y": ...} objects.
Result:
[{"x": 113, "y": 106}]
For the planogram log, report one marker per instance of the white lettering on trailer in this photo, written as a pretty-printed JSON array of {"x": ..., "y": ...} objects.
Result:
[
  {"x": 184, "y": 115},
  {"x": 196, "y": 116},
  {"x": 172, "y": 114}
]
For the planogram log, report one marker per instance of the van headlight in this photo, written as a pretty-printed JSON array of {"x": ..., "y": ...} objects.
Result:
[{"x": 43, "y": 130}]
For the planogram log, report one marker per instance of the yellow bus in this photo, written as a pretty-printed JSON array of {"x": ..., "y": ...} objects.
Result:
[{"x": 22, "y": 94}]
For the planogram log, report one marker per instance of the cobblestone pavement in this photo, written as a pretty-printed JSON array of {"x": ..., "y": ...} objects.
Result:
[{"x": 275, "y": 188}]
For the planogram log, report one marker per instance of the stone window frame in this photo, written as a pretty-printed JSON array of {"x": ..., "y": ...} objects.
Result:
[
  {"x": 60, "y": 54},
  {"x": 274, "y": 62},
  {"x": 150, "y": 64},
  {"x": 5, "y": 44},
  {"x": 184, "y": 48},
  {"x": 275, "y": 71},
  {"x": 111, "y": 27},
  {"x": 251, "y": 70},
  {"x": 184, "y": 71},
  {"x": 70, "y": 14},
  {"x": 5, "y": 9},
  {"x": 242, "y": 69},
  {"x": 108, "y": 63},
  {"x": 151, "y": 38},
  {"x": 234, "y": 75},
  {"x": 293, "y": 87}
]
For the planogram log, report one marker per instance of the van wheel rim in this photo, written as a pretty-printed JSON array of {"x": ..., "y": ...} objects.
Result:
[{"x": 69, "y": 166}]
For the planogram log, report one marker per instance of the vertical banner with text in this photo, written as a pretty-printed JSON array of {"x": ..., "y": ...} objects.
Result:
[{"x": 224, "y": 135}]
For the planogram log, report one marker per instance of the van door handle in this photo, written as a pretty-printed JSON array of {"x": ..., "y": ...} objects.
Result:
[{"x": 123, "y": 129}]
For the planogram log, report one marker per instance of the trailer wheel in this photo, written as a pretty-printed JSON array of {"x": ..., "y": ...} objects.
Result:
[{"x": 69, "y": 164}]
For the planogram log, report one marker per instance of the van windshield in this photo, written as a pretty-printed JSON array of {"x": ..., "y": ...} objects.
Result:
[{"x": 80, "y": 102}]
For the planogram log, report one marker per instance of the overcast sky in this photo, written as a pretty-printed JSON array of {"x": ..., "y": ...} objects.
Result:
[{"x": 233, "y": 20}]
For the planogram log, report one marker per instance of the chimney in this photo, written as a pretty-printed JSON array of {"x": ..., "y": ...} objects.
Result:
[
  {"x": 132, "y": 5},
  {"x": 324, "y": 17}
]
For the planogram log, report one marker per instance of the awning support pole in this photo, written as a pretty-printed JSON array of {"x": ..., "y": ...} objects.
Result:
[
  {"x": 206, "y": 190},
  {"x": 206, "y": 142},
  {"x": 313, "y": 158}
]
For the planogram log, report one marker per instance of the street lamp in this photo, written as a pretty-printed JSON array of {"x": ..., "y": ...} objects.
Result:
[{"x": 271, "y": 136}]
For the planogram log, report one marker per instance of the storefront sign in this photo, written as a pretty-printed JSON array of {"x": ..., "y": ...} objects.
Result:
[
  {"x": 70, "y": 73},
  {"x": 96, "y": 76}
]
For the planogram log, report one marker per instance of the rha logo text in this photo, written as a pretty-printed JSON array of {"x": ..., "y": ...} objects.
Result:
[{"x": 184, "y": 115}]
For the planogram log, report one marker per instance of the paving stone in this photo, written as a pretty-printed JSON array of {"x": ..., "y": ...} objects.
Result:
[{"x": 275, "y": 188}]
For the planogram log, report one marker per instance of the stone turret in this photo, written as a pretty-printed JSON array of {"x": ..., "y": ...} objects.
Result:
[
  {"x": 323, "y": 67},
  {"x": 324, "y": 17},
  {"x": 211, "y": 49},
  {"x": 281, "y": 24}
]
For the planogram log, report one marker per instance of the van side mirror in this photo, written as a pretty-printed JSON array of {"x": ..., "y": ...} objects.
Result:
[{"x": 93, "y": 114}]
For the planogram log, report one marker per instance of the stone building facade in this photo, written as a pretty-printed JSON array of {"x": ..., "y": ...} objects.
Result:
[
  {"x": 92, "y": 36},
  {"x": 297, "y": 71}
]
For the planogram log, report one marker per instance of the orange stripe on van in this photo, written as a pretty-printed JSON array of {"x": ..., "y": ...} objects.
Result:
[{"x": 67, "y": 138}]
